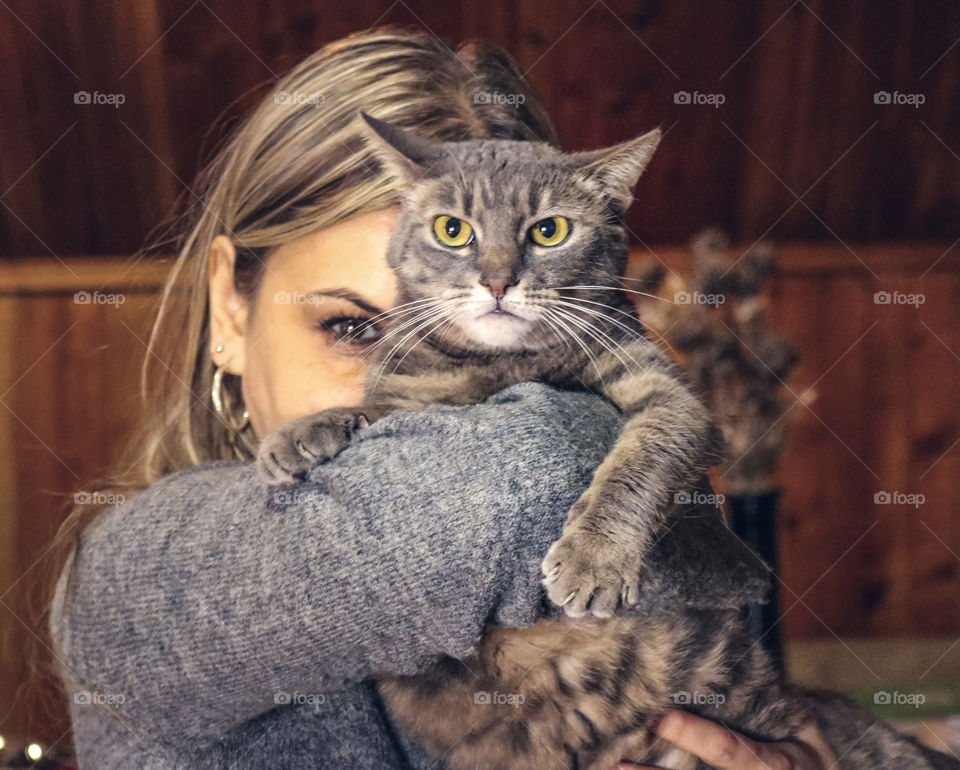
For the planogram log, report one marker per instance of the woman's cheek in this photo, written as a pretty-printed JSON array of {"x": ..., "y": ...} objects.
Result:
[
  {"x": 272, "y": 385},
  {"x": 297, "y": 373},
  {"x": 308, "y": 386},
  {"x": 337, "y": 382},
  {"x": 261, "y": 402}
]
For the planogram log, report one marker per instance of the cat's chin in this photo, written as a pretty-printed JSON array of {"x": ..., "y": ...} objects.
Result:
[{"x": 496, "y": 331}]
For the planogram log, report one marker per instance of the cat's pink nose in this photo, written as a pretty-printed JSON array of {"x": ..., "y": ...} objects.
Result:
[{"x": 497, "y": 286}]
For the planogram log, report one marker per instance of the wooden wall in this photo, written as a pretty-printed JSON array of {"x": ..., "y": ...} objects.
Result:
[
  {"x": 885, "y": 418},
  {"x": 68, "y": 387},
  {"x": 798, "y": 79}
]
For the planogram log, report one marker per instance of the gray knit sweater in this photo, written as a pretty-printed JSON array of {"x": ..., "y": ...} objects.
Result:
[{"x": 216, "y": 622}]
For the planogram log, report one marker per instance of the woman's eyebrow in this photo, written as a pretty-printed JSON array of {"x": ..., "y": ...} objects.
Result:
[{"x": 349, "y": 295}]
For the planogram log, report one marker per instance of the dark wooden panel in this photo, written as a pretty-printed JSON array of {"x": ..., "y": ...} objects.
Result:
[
  {"x": 68, "y": 385},
  {"x": 885, "y": 418},
  {"x": 798, "y": 79}
]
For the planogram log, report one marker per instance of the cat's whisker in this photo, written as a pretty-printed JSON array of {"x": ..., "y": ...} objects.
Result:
[
  {"x": 631, "y": 316},
  {"x": 559, "y": 334},
  {"x": 444, "y": 317},
  {"x": 602, "y": 337},
  {"x": 391, "y": 336},
  {"x": 624, "y": 278},
  {"x": 616, "y": 288},
  {"x": 554, "y": 313},
  {"x": 400, "y": 310},
  {"x": 394, "y": 319},
  {"x": 443, "y": 321},
  {"x": 382, "y": 365},
  {"x": 594, "y": 331},
  {"x": 611, "y": 340},
  {"x": 607, "y": 339},
  {"x": 648, "y": 330},
  {"x": 392, "y": 312},
  {"x": 430, "y": 316},
  {"x": 657, "y": 336},
  {"x": 571, "y": 302},
  {"x": 393, "y": 330}
]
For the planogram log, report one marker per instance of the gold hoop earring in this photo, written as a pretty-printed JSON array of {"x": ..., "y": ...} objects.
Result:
[{"x": 216, "y": 395}]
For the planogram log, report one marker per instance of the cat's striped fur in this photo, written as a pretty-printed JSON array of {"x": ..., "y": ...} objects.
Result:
[
  {"x": 584, "y": 691},
  {"x": 588, "y": 685}
]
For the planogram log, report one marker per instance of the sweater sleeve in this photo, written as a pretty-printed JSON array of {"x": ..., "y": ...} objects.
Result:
[{"x": 209, "y": 598}]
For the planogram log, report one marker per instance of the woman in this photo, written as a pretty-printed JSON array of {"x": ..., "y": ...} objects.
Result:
[{"x": 207, "y": 622}]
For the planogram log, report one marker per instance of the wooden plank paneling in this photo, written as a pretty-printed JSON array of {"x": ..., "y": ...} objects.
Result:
[
  {"x": 931, "y": 533},
  {"x": 798, "y": 81},
  {"x": 68, "y": 382},
  {"x": 885, "y": 419}
]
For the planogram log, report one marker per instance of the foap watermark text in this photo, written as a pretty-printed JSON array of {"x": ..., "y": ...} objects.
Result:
[
  {"x": 898, "y": 298},
  {"x": 686, "y": 97},
  {"x": 98, "y": 298},
  {"x": 698, "y": 298},
  {"x": 484, "y": 698},
  {"x": 95, "y": 97},
  {"x": 696, "y": 497},
  {"x": 916, "y": 499}
]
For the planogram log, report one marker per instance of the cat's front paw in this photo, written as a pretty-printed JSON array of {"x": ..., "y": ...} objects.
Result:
[
  {"x": 593, "y": 569},
  {"x": 590, "y": 573},
  {"x": 288, "y": 454}
]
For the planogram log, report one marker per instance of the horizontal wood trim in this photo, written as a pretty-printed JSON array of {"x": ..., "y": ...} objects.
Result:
[
  {"x": 49, "y": 275},
  {"x": 32, "y": 275},
  {"x": 886, "y": 258}
]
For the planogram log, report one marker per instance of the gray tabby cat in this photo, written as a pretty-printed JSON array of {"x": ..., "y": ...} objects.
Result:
[{"x": 507, "y": 256}]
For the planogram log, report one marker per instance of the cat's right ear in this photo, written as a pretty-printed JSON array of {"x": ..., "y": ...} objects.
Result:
[
  {"x": 405, "y": 155},
  {"x": 616, "y": 170}
]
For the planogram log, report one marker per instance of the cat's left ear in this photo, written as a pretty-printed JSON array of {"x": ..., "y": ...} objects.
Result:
[
  {"x": 617, "y": 169},
  {"x": 404, "y": 154}
]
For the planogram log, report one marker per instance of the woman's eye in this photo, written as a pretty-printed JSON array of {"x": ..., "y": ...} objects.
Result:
[{"x": 351, "y": 329}]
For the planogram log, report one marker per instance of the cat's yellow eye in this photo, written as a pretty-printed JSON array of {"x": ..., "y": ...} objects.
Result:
[
  {"x": 551, "y": 231},
  {"x": 452, "y": 232}
]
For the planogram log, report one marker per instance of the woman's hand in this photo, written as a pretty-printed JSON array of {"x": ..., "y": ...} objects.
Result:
[{"x": 723, "y": 749}]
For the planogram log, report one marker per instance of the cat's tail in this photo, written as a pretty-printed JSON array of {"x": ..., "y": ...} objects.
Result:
[{"x": 861, "y": 740}]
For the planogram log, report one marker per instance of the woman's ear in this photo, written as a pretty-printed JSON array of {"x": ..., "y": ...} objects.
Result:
[{"x": 228, "y": 310}]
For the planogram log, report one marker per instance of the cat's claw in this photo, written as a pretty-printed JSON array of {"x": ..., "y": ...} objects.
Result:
[
  {"x": 589, "y": 574},
  {"x": 287, "y": 455}
]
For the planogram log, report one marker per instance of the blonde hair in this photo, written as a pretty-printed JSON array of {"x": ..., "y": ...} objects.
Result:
[{"x": 298, "y": 163}]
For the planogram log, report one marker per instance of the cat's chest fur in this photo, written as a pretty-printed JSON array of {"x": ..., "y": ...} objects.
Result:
[{"x": 427, "y": 374}]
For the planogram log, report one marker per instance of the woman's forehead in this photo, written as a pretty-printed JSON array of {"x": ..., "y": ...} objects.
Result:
[{"x": 350, "y": 254}]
